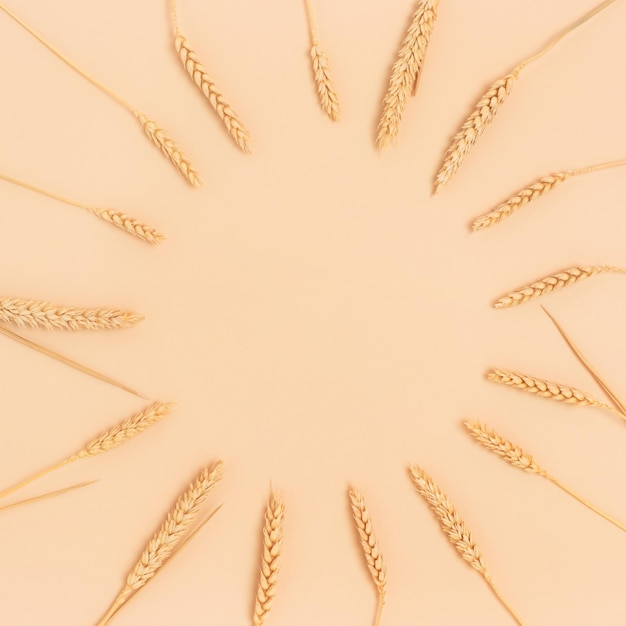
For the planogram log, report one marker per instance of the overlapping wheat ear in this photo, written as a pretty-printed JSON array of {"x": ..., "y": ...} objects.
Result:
[
  {"x": 514, "y": 455},
  {"x": 548, "y": 389},
  {"x": 270, "y": 560},
  {"x": 371, "y": 549},
  {"x": 488, "y": 105},
  {"x": 40, "y": 314},
  {"x": 113, "y": 216},
  {"x": 546, "y": 285},
  {"x": 534, "y": 191},
  {"x": 206, "y": 85},
  {"x": 321, "y": 72},
  {"x": 154, "y": 132},
  {"x": 169, "y": 538},
  {"x": 454, "y": 527},
  {"x": 108, "y": 440},
  {"x": 406, "y": 71}
]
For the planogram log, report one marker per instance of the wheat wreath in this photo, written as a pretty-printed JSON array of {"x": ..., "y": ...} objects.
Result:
[
  {"x": 456, "y": 530},
  {"x": 488, "y": 105}
]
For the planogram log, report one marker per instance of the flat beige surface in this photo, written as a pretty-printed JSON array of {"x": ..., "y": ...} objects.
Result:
[{"x": 318, "y": 317}]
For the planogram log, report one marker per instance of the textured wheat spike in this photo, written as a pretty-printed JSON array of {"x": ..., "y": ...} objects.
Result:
[
  {"x": 165, "y": 541},
  {"x": 129, "y": 224},
  {"x": 323, "y": 80},
  {"x": 456, "y": 530},
  {"x": 522, "y": 197},
  {"x": 270, "y": 561},
  {"x": 169, "y": 149},
  {"x": 369, "y": 543},
  {"x": 39, "y": 314},
  {"x": 475, "y": 125},
  {"x": 551, "y": 283},
  {"x": 201, "y": 78},
  {"x": 406, "y": 70}
]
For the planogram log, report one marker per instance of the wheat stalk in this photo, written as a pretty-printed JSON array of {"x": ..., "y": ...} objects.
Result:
[
  {"x": 406, "y": 70},
  {"x": 108, "y": 440},
  {"x": 489, "y": 104},
  {"x": 40, "y": 314},
  {"x": 46, "y": 496},
  {"x": 456, "y": 530},
  {"x": 270, "y": 560},
  {"x": 514, "y": 455},
  {"x": 548, "y": 389},
  {"x": 544, "y": 286},
  {"x": 321, "y": 72},
  {"x": 534, "y": 191},
  {"x": 167, "y": 146},
  {"x": 371, "y": 549},
  {"x": 167, "y": 538},
  {"x": 201, "y": 78}
]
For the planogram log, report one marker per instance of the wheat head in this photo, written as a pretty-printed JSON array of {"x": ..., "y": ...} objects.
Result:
[
  {"x": 270, "y": 561},
  {"x": 201, "y": 78},
  {"x": 406, "y": 70},
  {"x": 40, "y": 314},
  {"x": 325, "y": 86},
  {"x": 169, "y": 149},
  {"x": 521, "y": 198},
  {"x": 129, "y": 224},
  {"x": 475, "y": 125},
  {"x": 551, "y": 283}
]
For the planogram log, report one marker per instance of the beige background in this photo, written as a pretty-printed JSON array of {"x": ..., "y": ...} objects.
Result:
[{"x": 319, "y": 318}]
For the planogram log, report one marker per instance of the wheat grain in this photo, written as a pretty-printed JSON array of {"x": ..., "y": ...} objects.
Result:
[
  {"x": 371, "y": 549},
  {"x": 165, "y": 541},
  {"x": 454, "y": 527},
  {"x": 406, "y": 70},
  {"x": 514, "y": 455},
  {"x": 270, "y": 560},
  {"x": 40, "y": 314},
  {"x": 544, "y": 286}
]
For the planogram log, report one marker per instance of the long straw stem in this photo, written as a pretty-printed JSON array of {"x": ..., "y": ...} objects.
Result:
[
  {"x": 45, "y": 496},
  {"x": 312, "y": 23},
  {"x": 504, "y": 603},
  {"x": 174, "y": 11},
  {"x": 33, "y": 478},
  {"x": 379, "y": 611},
  {"x": 600, "y": 166},
  {"x": 44, "y": 192}
]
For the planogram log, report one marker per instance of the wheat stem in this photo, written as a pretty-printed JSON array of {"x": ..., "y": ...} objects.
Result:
[
  {"x": 45, "y": 496},
  {"x": 502, "y": 600},
  {"x": 32, "y": 478},
  {"x": 312, "y": 23},
  {"x": 379, "y": 610}
]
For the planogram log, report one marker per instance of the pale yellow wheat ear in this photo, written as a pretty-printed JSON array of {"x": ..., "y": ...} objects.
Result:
[
  {"x": 551, "y": 283},
  {"x": 454, "y": 527},
  {"x": 108, "y": 440},
  {"x": 371, "y": 549},
  {"x": 112, "y": 216},
  {"x": 47, "y": 496},
  {"x": 201, "y": 78},
  {"x": 534, "y": 191},
  {"x": 168, "y": 538},
  {"x": 514, "y": 455},
  {"x": 157, "y": 134},
  {"x": 41, "y": 314},
  {"x": 406, "y": 71},
  {"x": 270, "y": 559},
  {"x": 548, "y": 389},
  {"x": 489, "y": 103},
  {"x": 69, "y": 362},
  {"x": 321, "y": 72}
]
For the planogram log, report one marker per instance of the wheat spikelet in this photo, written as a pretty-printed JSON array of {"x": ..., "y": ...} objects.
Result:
[
  {"x": 369, "y": 543},
  {"x": 514, "y": 455},
  {"x": 165, "y": 541},
  {"x": 551, "y": 283},
  {"x": 272, "y": 546},
  {"x": 406, "y": 70},
  {"x": 201, "y": 78},
  {"x": 129, "y": 224},
  {"x": 454, "y": 527},
  {"x": 39, "y": 314}
]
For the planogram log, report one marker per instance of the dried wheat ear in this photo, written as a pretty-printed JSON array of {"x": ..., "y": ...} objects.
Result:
[
  {"x": 371, "y": 549},
  {"x": 488, "y": 105},
  {"x": 172, "y": 535},
  {"x": 321, "y": 72},
  {"x": 406, "y": 71},
  {"x": 454, "y": 527},
  {"x": 151, "y": 128},
  {"x": 270, "y": 559},
  {"x": 203, "y": 81},
  {"x": 546, "y": 285},
  {"x": 514, "y": 455},
  {"x": 108, "y": 440}
]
